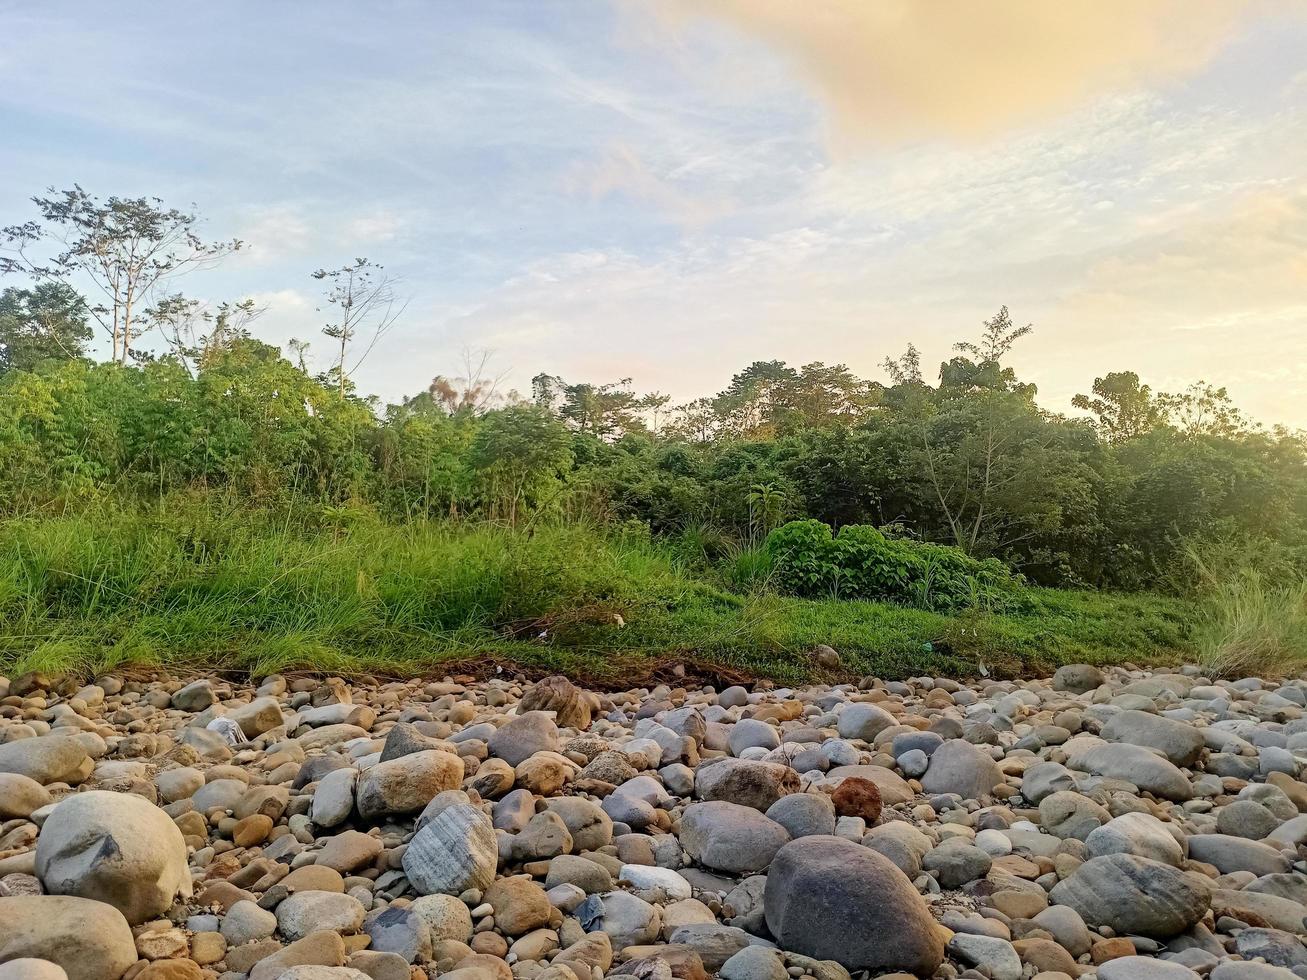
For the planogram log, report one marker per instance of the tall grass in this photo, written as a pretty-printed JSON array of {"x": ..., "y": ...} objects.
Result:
[
  {"x": 1248, "y": 623},
  {"x": 188, "y": 586}
]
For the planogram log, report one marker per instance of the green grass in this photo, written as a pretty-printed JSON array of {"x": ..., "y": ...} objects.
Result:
[{"x": 189, "y": 588}]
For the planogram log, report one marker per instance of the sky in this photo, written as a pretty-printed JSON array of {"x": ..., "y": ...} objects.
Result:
[{"x": 668, "y": 190}]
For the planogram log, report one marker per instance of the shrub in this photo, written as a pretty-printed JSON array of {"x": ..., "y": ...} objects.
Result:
[{"x": 862, "y": 563}]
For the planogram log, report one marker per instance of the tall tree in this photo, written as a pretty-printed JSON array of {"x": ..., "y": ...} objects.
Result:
[
  {"x": 1122, "y": 407},
  {"x": 126, "y": 249},
  {"x": 997, "y": 337},
  {"x": 361, "y": 297},
  {"x": 45, "y": 323}
]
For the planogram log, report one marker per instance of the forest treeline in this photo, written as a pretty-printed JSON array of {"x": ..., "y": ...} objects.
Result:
[{"x": 192, "y": 405}]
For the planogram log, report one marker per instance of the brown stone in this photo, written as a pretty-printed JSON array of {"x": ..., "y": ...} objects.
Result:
[{"x": 857, "y": 797}]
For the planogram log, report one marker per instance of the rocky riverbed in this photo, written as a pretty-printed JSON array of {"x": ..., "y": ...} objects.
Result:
[{"x": 1126, "y": 824}]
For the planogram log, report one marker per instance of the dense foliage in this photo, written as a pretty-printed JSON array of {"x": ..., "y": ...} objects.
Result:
[
  {"x": 190, "y": 404},
  {"x": 860, "y": 562}
]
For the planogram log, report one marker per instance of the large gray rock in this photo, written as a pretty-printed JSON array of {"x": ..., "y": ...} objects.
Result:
[
  {"x": 1180, "y": 743},
  {"x": 116, "y": 848},
  {"x": 1144, "y": 968},
  {"x": 1237, "y": 854},
  {"x": 959, "y": 767},
  {"x": 20, "y": 795},
  {"x": 1134, "y": 895},
  {"x": 863, "y": 720},
  {"x": 1077, "y": 678},
  {"x": 730, "y": 837},
  {"x": 1043, "y": 779},
  {"x": 744, "y": 781},
  {"x": 333, "y": 799},
  {"x": 1141, "y": 834},
  {"x": 1130, "y": 763},
  {"x": 406, "y": 784},
  {"x": 1070, "y": 815},
  {"x": 47, "y": 759},
  {"x": 308, "y": 911},
  {"x": 524, "y": 736},
  {"x": 833, "y": 899},
  {"x": 90, "y": 940},
  {"x": 455, "y": 851},
  {"x": 804, "y": 814}
]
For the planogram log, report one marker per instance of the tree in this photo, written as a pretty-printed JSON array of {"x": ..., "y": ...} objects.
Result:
[
  {"x": 363, "y": 298},
  {"x": 606, "y": 411},
  {"x": 1123, "y": 408},
  {"x": 521, "y": 453},
  {"x": 998, "y": 336},
  {"x": 1202, "y": 409},
  {"x": 906, "y": 368},
  {"x": 194, "y": 333},
  {"x": 473, "y": 392},
  {"x": 126, "y": 248},
  {"x": 42, "y": 324}
]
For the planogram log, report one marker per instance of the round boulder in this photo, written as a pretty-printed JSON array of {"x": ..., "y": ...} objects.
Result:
[
  {"x": 832, "y": 899},
  {"x": 115, "y": 848}
]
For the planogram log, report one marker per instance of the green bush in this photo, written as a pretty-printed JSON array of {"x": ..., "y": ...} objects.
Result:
[{"x": 862, "y": 563}]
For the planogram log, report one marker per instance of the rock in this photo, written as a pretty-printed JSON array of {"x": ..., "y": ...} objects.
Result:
[
  {"x": 1179, "y": 742},
  {"x": 1237, "y": 854},
  {"x": 959, "y": 767},
  {"x": 745, "y": 782},
  {"x": 47, "y": 759},
  {"x": 1143, "y": 968},
  {"x": 754, "y": 963},
  {"x": 805, "y": 814},
  {"x": 90, "y": 940},
  {"x": 309, "y": 911},
  {"x": 863, "y": 721},
  {"x": 401, "y": 931},
  {"x": 245, "y": 922},
  {"x": 524, "y": 736},
  {"x": 258, "y": 717},
  {"x": 857, "y": 797},
  {"x": 320, "y": 948},
  {"x": 829, "y": 898},
  {"x": 993, "y": 957},
  {"x": 406, "y": 784},
  {"x": 557, "y": 694},
  {"x": 1136, "y": 833},
  {"x": 956, "y": 862},
  {"x": 519, "y": 904},
  {"x": 1132, "y": 764},
  {"x": 1077, "y": 678},
  {"x": 730, "y": 837},
  {"x": 20, "y": 795},
  {"x": 446, "y": 917},
  {"x": 116, "y": 848},
  {"x": 333, "y": 800},
  {"x": 626, "y": 919},
  {"x": 452, "y": 853},
  {"x": 195, "y": 696},
  {"x": 349, "y": 851},
  {"x": 27, "y": 968},
  {"x": 1043, "y": 779},
  {"x": 1132, "y": 894},
  {"x": 1070, "y": 815},
  {"x": 405, "y": 739}
]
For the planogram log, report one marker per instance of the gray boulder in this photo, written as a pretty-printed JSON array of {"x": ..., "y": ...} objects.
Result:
[
  {"x": 959, "y": 767},
  {"x": 1134, "y": 895},
  {"x": 730, "y": 837},
  {"x": 832, "y": 899},
  {"x": 1182, "y": 744},
  {"x": 455, "y": 851},
  {"x": 744, "y": 781}
]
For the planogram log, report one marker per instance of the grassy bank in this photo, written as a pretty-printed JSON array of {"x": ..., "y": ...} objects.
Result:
[{"x": 189, "y": 588}]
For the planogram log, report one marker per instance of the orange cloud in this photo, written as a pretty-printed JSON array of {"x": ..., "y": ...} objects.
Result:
[{"x": 896, "y": 69}]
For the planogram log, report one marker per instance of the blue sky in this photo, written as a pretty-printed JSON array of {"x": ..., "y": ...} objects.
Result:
[{"x": 671, "y": 190}]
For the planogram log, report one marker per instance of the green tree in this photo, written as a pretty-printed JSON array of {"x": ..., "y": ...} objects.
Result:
[
  {"x": 361, "y": 297},
  {"x": 1122, "y": 407},
  {"x": 521, "y": 455},
  {"x": 125, "y": 249},
  {"x": 43, "y": 324}
]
